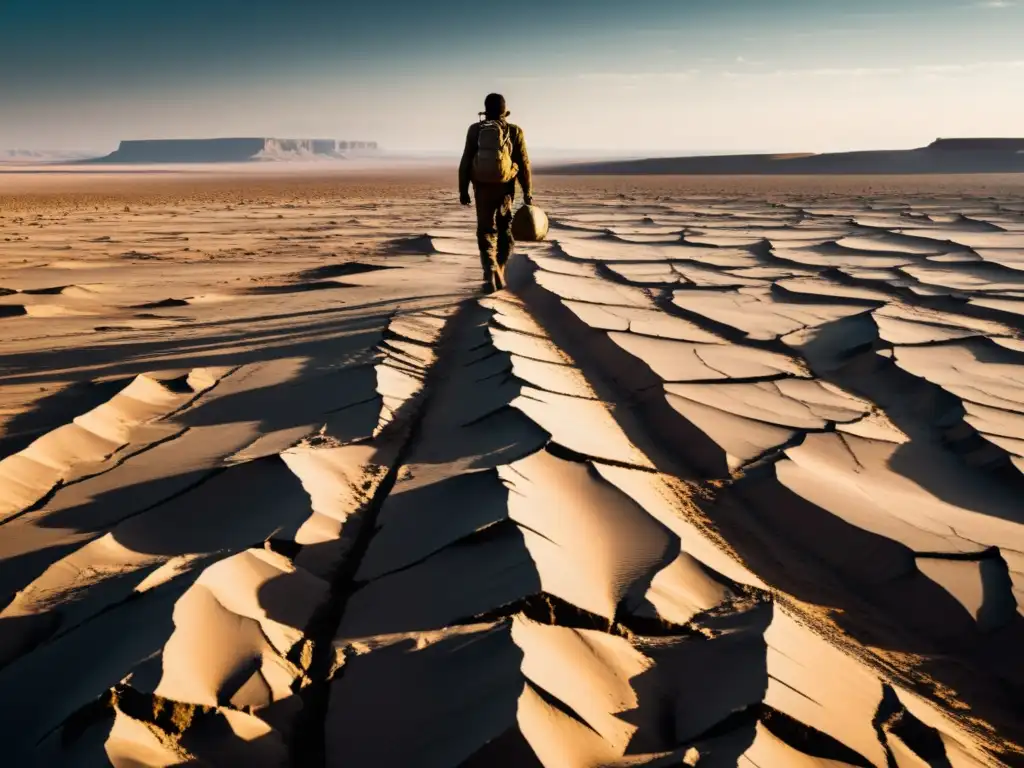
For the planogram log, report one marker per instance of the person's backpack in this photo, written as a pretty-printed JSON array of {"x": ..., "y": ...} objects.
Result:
[{"x": 493, "y": 161}]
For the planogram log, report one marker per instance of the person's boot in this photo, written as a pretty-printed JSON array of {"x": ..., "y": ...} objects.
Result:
[
  {"x": 487, "y": 285},
  {"x": 492, "y": 281}
]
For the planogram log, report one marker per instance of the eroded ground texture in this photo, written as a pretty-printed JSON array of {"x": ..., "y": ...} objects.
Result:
[{"x": 719, "y": 481}]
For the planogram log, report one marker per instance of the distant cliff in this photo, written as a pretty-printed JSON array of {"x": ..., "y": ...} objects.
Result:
[
  {"x": 941, "y": 156},
  {"x": 235, "y": 150},
  {"x": 979, "y": 145}
]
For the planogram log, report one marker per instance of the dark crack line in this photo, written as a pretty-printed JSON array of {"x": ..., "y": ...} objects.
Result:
[
  {"x": 794, "y": 690},
  {"x": 200, "y": 395},
  {"x": 209, "y": 475},
  {"x": 356, "y": 404},
  {"x": 568, "y": 454},
  {"x": 307, "y": 746},
  {"x": 119, "y": 461}
]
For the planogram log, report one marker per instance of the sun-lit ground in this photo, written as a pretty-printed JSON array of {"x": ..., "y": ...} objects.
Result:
[{"x": 730, "y": 475}]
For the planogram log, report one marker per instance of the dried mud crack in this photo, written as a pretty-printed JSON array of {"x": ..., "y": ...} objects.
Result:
[
  {"x": 718, "y": 480},
  {"x": 307, "y": 744}
]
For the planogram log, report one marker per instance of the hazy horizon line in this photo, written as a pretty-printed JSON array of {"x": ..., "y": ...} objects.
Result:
[{"x": 539, "y": 150}]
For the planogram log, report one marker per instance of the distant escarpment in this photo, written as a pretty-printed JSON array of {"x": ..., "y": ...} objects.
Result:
[
  {"x": 971, "y": 155},
  {"x": 235, "y": 150},
  {"x": 979, "y": 145}
]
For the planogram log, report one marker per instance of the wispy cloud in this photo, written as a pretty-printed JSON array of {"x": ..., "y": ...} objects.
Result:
[
  {"x": 995, "y": 4},
  {"x": 976, "y": 66},
  {"x": 605, "y": 78},
  {"x": 922, "y": 69},
  {"x": 820, "y": 72},
  {"x": 759, "y": 72},
  {"x": 683, "y": 74}
]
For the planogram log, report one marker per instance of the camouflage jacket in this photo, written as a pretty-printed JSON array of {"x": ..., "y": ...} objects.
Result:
[{"x": 519, "y": 157}]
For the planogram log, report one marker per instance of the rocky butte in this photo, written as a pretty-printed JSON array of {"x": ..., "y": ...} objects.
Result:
[{"x": 234, "y": 150}]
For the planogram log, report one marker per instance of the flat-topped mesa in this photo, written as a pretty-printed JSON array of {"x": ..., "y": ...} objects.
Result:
[
  {"x": 966, "y": 155},
  {"x": 234, "y": 150},
  {"x": 979, "y": 144}
]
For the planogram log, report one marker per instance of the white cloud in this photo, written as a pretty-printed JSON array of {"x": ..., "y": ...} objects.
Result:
[
  {"x": 995, "y": 4},
  {"x": 925, "y": 69},
  {"x": 977, "y": 66},
  {"x": 749, "y": 70},
  {"x": 823, "y": 72},
  {"x": 601, "y": 78},
  {"x": 683, "y": 74}
]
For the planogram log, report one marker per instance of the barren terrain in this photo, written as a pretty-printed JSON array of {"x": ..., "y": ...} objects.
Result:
[{"x": 731, "y": 475}]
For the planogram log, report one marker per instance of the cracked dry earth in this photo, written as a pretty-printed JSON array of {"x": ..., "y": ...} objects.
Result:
[{"x": 716, "y": 482}]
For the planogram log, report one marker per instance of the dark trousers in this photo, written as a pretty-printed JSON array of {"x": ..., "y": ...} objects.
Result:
[{"x": 494, "y": 230}]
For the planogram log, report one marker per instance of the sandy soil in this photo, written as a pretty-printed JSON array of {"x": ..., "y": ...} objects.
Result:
[{"x": 730, "y": 475}]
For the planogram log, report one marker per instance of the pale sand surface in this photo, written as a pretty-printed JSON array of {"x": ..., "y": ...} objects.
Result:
[{"x": 729, "y": 476}]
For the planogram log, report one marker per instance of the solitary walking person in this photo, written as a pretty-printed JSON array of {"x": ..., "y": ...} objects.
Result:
[{"x": 495, "y": 158}]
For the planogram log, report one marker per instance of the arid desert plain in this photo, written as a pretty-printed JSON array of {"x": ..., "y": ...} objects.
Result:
[{"x": 731, "y": 474}]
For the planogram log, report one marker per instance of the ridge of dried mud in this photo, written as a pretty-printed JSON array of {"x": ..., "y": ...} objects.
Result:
[{"x": 729, "y": 476}]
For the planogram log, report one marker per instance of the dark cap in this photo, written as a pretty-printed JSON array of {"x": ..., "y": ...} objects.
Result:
[{"x": 494, "y": 106}]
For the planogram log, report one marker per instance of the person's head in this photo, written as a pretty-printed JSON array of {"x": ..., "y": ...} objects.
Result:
[{"x": 494, "y": 107}]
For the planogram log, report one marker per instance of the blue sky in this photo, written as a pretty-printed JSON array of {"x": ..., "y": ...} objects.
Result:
[{"x": 647, "y": 75}]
